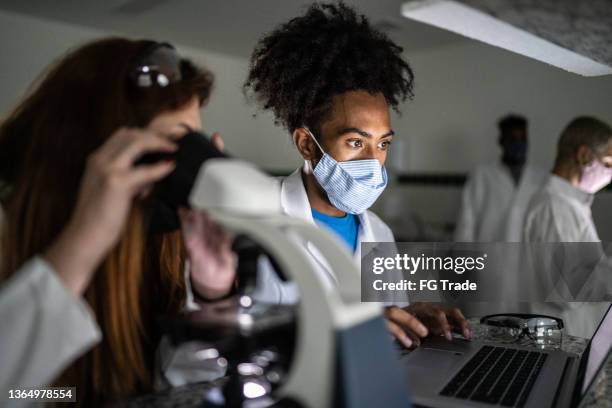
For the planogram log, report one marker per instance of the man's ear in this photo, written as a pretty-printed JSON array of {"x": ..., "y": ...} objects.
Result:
[
  {"x": 583, "y": 155},
  {"x": 304, "y": 143}
]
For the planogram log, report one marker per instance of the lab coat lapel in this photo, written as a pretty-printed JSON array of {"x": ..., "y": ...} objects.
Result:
[
  {"x": 506, "y": 178},
  {"x": 294, "y": 202},
  {"x": 365, "y": 234}
]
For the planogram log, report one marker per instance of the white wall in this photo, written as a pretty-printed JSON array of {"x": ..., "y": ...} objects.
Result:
[
  {"x": 462, "y": 90},
  {"x": 450, "y": 126}
]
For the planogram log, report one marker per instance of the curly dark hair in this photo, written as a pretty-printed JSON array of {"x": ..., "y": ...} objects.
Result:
[{"x": 298, "y": 68}]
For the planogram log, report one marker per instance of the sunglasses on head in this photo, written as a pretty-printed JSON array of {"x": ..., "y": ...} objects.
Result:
[{"x": 158, "y": 66}]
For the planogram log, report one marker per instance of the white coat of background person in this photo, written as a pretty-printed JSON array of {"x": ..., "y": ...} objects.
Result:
[
  {"x": 496, "y": 194},
  {"x": 561, "y": 212}
]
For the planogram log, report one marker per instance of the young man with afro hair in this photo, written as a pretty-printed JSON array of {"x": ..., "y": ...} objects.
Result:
[{"x": 330, "y": 79}]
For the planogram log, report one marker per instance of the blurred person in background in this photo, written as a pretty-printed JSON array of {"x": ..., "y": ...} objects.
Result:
[
  {"x": 496, "y": 194},
  {"x": 561, "y": 211}
]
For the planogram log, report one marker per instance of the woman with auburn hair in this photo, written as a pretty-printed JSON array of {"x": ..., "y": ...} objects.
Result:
[{"x": 77, "y": 231}]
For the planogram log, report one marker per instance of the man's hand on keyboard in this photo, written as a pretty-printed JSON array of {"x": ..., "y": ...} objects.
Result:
[{"x": 440, "y": 320}]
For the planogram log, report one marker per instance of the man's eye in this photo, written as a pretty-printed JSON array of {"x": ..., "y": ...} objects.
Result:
[
  {"x": 355, "y": 143},
  {"x": 384, "y": 145}
]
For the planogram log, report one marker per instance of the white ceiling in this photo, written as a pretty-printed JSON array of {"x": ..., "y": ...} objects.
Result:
[{"x": 227, "y": 26}]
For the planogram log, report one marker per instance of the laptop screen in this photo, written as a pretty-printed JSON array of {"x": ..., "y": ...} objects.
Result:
[{"x": 600, "y": 345}]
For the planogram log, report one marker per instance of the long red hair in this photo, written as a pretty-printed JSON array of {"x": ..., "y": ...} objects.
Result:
[{"x": 44, "y": 144}]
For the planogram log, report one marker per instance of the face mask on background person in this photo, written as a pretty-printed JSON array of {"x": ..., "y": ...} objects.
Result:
[
  {"x": 595, "y": 176},
  {"x": 515, "y": 152},
  {"x": 351, "y": 186}
]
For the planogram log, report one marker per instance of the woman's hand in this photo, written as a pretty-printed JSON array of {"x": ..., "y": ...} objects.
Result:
[
  {"x": 213, "y": 264},
  {"x": 108, "y": 186}
]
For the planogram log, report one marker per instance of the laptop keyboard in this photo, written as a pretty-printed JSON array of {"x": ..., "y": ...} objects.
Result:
[{"x": 498, "y": 376}]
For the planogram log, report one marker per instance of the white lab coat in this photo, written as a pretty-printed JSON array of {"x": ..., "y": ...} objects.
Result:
[
  {"x": 492, "y": 210},
  {"x": 294, "y": 202},
  {"x": 493, "y": 206},
  {"x": 44, "y": 327},
  {"x": 562, "y": 213}
]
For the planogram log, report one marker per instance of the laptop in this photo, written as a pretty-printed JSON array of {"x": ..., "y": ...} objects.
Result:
[{"x": 463, "y": 373}]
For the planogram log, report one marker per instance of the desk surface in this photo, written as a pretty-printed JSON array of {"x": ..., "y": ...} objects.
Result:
[{"x": 191, "y": 395}]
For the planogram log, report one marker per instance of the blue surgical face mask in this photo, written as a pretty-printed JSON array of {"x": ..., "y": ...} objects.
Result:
[{"x": 351, "y": 186}]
